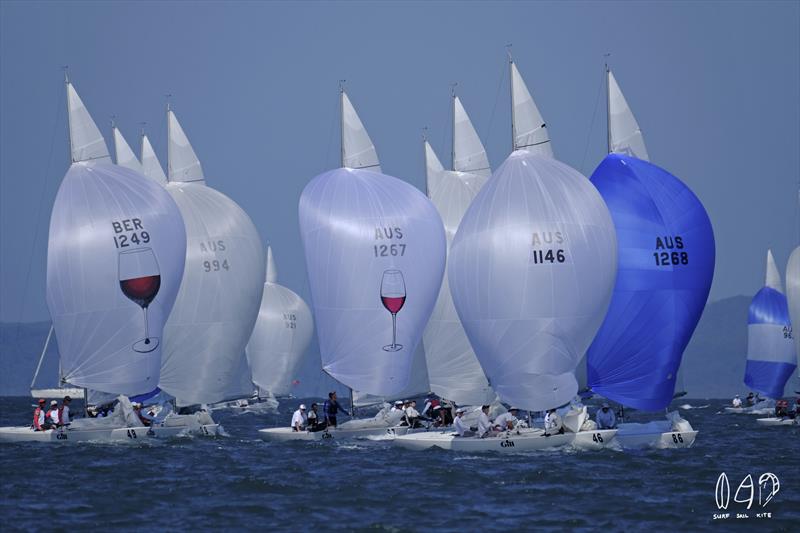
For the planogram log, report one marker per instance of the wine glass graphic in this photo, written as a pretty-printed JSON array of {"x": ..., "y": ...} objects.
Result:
[
  {"x": 140, "y": 279},
  {"x": 393, "y": 296}
]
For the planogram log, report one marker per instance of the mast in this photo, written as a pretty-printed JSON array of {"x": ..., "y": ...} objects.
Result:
[
  {"x": 341, "y": 121},
  {"x": 169, "y": 137},
  {"x": 453, "y": 112},
  {"x": 511, "y": 91},
  {"x": 352, "y": 404},
  {"x": 425, "y": 160},
  {"x": 608, "y": 109},
  {"x": 41, "y": 357},
  {"x": 69, "y": 117}
]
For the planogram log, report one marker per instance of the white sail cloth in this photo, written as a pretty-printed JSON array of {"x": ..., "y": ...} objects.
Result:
[
  {"x": 124, "y": 155},
  {"x": 624, "y": 134},
  {"x": 357, "y": 148},
  {"x": 531, "y": 270},
  {"x": 469, "y": 154},
  {"x": 111, "y": 225},
  {"x": 280, "y": 337},
  {"x": 418, "y": 384},
  {"x": 453, "y": 369},
  {"x": 530, "y": 131},
  {"x": 86, "y": 141},
  {"x": 374, "y": 246},
  {"x": 183, "y": 164},
  {"x": 793, "y": 296},
  {"x": 150, "y": 165}
]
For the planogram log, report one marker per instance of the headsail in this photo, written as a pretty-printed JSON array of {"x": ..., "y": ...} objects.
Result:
[
  {"x": 469, "y": 155},
  {"x": 793, "y": 296},
  {"x": 150, "y": 165},
  {"x": 182, "y": 162},
  {"x": 531, "y": 271},
  {"x": 771, "y": 355},
  {"x": 624, "y": 135},
  {"x": 357, "y": 148},
  {"x": 370, "y": 240},
  {"x": 280, "y": 337},
  {"x": 124, "y": 155},
  {"x": 666, "y": 265},
  {"x": 528, "y": 127},
  {"x": 219, "y": 298},
  {"x": 114, "y": 264},
  {"x": 453, "y": 369}
]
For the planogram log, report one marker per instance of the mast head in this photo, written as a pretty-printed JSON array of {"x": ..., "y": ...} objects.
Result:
[
  {"x": 341, "y": 85},
  {"x": 169, "y": 107},
  {"x": 65, "y": 68},
  {"x": 508, "y": 52},
  {"x": 453, "y": 86}
]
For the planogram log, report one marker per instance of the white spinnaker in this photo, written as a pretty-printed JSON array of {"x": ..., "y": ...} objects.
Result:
[
  {"x": 85, "y": 140},
  {"x": 357, "y": 148},
  {"x": 418, "y": 384},
  {"x": 217, "y": 306},
  {"x": 532, "y": 269},
  {"x": 372, "y": 242},
  {"x": 469, "y": 155},
  {"x": 150, "y": 165},
  {"x": 624, "y": 135},
  {"x": 183, "y": 164},
  {"x": 114, "y": 265},
  {"x": 280, "y": 337},
  {"x": 453, "y": 369},
  {"x": 793, "y": 296},
  {"x": 529, "y": 129},
  {"x": 124, "y": 155}
]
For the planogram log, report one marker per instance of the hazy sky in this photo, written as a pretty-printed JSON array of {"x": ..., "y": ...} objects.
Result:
[{"x": 714, "y": 86}]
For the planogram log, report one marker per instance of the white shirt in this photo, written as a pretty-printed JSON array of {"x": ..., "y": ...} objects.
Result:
[
  {"x": 299, "y": 417},
  {"x": 460, "y": 426},
  {"x": 65, "y": 415},
  {"x": 52, "y": 414},
  {"x": 504, "y": 419},
  {"x": 411, "y": 412},
  {"x": 483, "y": 424},
  {"x": 552, "y": 422},
  {"x": 737, "y": 402}
]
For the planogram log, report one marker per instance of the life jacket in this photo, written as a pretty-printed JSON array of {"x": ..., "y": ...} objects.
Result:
[
  {"x": 37, "y": 413},
  {"x": 434, "y": 403}
]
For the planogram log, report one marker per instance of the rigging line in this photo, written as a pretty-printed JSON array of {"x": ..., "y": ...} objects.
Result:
[
  {"x": 496, "y": 99},
  {"x": 591, "y": 126},
  {"x": 326, "y": 163},
  {"x": 42, "y": 193}
]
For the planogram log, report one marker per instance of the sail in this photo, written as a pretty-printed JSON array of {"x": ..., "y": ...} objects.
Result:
[
  {"x": 219, "y": 298},
  {"x": 85, "y": 140},
  {"x": 469, "y": 154},
  {"x": 453, "y": 369},
  {"x": 665, "y": 268},
  {"x": 418, "y": 384},
  {"x": 530, "y": 131},
  {"x": 150, "y": 165},
  {"x": 182, "y": 162},
  {"x": 357, "y": 148},
  {"x": 624, "y": 135},
  {"x": 793, "y": 295},
  {"x": 124, "y": 154},
  {"x": 531, "y": 272},
  {"x": 370, "y": 240},
  {"x": 280, "y": 337},
  {"x": 771, "y": 355}
]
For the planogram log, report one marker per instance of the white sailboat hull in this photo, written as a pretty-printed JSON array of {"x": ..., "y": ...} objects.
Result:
[
  {"x": 754, "y": 410},
  {"x": 285, "y": 434},
  {"x": 57, "y": 392},
  {"x": 775, "y": 421},
  {"x": 509, "y": 442},
  {"x": 64, "y": 435}
]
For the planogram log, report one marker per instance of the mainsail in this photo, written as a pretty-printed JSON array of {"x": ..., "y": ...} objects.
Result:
[
  {"x": 531, "y": 272},
  {"x": 624, "y": 135},
  {"x": 124, "y": 155},
  {"x": 770, "y": 349},
  {"x": 114, "y": 265},
  {"x": 453, "y": 369},
  {"x": 150, "y": 165},
  {"x": 469, "y": 155},
  {"x": 529, "y": 130},
  {"x": 217, "y": 306},
  {"x": 357, "y": 148},
  {"x": 280, "y": 337}
]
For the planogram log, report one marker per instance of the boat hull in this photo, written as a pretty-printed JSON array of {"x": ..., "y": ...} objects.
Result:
[
  {"x": 774, "y": 421},
  {"x": 657, "y": 440},
  {"x": 64, "y": 435},
  {"x": 284, "y": 434},
  {"x": 509, "y": 442}
]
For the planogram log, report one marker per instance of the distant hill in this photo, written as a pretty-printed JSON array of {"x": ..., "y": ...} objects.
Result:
[{"x": 713, "y": 364}]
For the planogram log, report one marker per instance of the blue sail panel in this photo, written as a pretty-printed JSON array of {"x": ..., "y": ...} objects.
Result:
[
  {"x": 666, "y": 265},
  {"x": 770, "y": 348}
]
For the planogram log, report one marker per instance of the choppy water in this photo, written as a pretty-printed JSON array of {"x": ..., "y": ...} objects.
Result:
[{"x": 241, "y": 482}]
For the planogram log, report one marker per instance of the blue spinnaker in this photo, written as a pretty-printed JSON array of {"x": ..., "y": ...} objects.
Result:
[
  {"x": 666, "y": 264},
  {"x": 770, "y": 348}
]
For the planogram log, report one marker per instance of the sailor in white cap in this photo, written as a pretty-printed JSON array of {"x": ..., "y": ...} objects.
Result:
[
  {"x": 460, "y": 426},
  {"x": 507, "y": 420},
  {"x": 52, "y": 414},
  {"x": 398, "y": 406},
  {"x": 737, "y": 401},
  {"x": 144, "y": 418},
  {"x": 299, "y": 420},
  {"x": 606, "y": 418}
]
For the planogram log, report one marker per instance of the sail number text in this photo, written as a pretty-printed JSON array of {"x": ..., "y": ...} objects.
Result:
[
  {"x": 214, "y": 247},
  {"x": 128, "y": 232},
  {"x": 394, "y": 249},
  {"x": 663, "y": 257},
  {"x": 290, "y": 320},
  {"x": 541, "y": 253}
]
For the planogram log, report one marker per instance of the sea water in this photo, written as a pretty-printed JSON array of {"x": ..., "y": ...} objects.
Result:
[{"x": 239, "y": 482}]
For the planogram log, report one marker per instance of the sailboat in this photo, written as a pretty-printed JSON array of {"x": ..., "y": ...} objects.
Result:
[
  {"x": 114, "y": 266},
  {"x": 666, "y": 265},
  {"x": 453, "y": 369},
  {"x": 531, "y": 271},
  {"x": 793, "y": 297},
  {"x": 375, "y": 252}
]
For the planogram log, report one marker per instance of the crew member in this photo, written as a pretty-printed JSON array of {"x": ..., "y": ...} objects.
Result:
[
  {"x": 39, "y": 416},
  {"x": 484, "y": 425},
  {"x": 52, "y": 414},
  {"x": 507, "y": 420},
  {"x": 331, "y": 408},
  {"x": 299, "y": 419},
  {"x": 63, "y": 413},
  {"x": 751, "y": 399},
  {"x": 605, "y": 418},
  {"x": 737, "y": 402},
  {"x": 314, "y": 423},
  {"x": 412, "y": 415},
  {"x": 459, "y": 426},
  {"x": 552, "y": 423},
  {"x": 144, "y": 418}
]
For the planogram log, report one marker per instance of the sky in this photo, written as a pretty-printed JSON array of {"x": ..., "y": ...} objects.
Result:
[{"x": 715, "y": 87}]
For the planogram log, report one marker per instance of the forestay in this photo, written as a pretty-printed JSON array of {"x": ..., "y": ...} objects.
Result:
[
  {"x": 114, "y": 264},
  {"x": 528, "y": 126},
  {"x": 374, "y": 248},
  {"x": 280, "y": 337},
  {"x": 770, "y": 349},
  {"x": 219, "y": 298},
  {"x": 531, "y": 271},
  {"x": 665, "y": 269},
  {"x": 624, "y": 135}
]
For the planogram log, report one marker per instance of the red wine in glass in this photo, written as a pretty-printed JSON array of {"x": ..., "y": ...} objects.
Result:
[
  {"x": 393, "y": 297},
  {"x": 140, "y": 280}
]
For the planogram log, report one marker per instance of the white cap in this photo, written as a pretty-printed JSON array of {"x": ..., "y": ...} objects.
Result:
[
  {"x": 136, "y": 404},
  {"x": 460, "y": 410},
  {"x": 53, "y": 402},
  {"x": 303, "y": 406}
]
